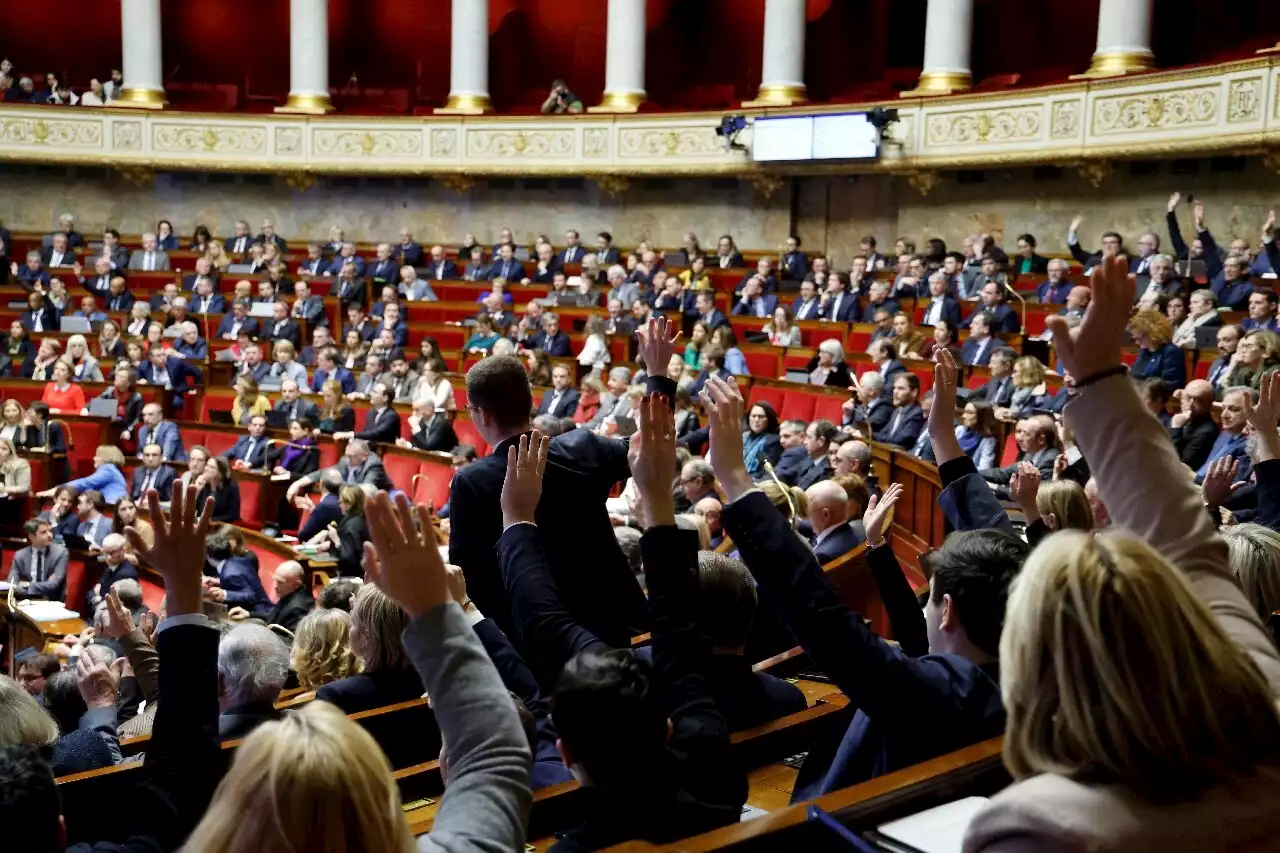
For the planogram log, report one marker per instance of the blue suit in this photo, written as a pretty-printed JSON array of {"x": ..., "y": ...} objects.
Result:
[
  {"x": 1048, "y": 294},
  {"x": 95, "y": 531},
  {"x": 1001, "y": 320},
  {"x": 794, "y": 266},
  {"x": 161, "y": 481},
  {"x": 846, "y": 312},
  {"x": 248, "y": 325},
  {"x": 177, "y": 369},
  {"x": 1168, "y": 362},
  {"x": 511, "y": 270},
  {"x": 387, "y": 272},
  {"x": 238, "y": 578},
  {"x": 840, "y": 541},
  {"x": 327, "y": 511},
  {"x": 969, "y": 351},
  {"x": 339, "y": 262},
  {"x": 1248, "y": 324},
  {"x": 239, "y": 452},
  {"x": 167, "y": 436},
  {"x": 904, "y": 427},
  {"x": 713, "y": 320},
  {"x": 950, "y": 313},
  {"x": 1227, "y": 444},
  {"x": 216, "y": 304},
  {"x": 341, "y": 374},
  {"x": 763, "y": 306}
]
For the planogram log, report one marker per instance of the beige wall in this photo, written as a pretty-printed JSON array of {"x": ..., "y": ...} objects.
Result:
[
  {"x": 377, "y": 211},
  {"x": 831, "y": 214}
]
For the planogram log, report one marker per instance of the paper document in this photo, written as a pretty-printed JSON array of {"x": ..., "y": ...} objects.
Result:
[
  {"x": 47, "y": 611},
  {"x": 938, "y": 830}
]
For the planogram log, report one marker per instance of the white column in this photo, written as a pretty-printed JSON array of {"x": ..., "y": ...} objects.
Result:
[
  {"x": 468, "y": 59},
  {"x": 782, "y": 72},
  {"x": 308, "y": 58},
  {"x": 948, "y": 34},
  {"x": 624, "y": 60},
  {"x": 1124, "y": 39},
  {"x": 142, "y": 67}
]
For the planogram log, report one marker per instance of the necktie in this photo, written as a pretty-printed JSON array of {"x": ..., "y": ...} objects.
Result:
[
  {"x": 835, "y": 307},
  {"x": 39, "y": 566},
  {"x": 149, "y": 262},
  {"x": 248, "y": 451},
  {"x": 353, "y": 475},
  {"x": 37, "y": 324}
]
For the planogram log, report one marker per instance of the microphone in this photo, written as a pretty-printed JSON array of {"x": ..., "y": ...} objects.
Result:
[{"x": 1018, "y": 296}]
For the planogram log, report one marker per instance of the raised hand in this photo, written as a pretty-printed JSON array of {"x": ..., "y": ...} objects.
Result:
[
  {"x": 1197, "y": 211},
  {"x": 1220, "y": 481},
  {"x": 877, "y": 513},
  {"x": 117, "y": 620},
  {"x": 456, "y": 581},
  {"x": 657, "y": 343},
  {"x": 942, "y": 416},
  {"x": 522, "y": 488},
  {"x": 1094, "y": 345},
  {"x": 1023, "y": 487},
  {"x": 97, "y": 681},
  {"x": 1263, "y": 416},
  {"x": 1270, "y": 224},
  {"x": 178, "y": 550},
  {"x": 399, "y": 560},
  {"x": 652, "y": 455},
  {"x": 1059, "y": 466},
  {"x": 1173, "y": 201},
  {"x": 722, "y": 401},
  {"x": 1076, "y": 222}
]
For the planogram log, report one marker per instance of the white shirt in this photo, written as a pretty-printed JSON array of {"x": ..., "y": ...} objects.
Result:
[
  {"x": 56, "y": 258},
  {"x": 149, "y": 262}
]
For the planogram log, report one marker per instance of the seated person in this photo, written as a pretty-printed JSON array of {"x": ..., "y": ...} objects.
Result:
[
  {"x": 40, "y": 569},
  {"x": 1036, "y": 437},
  {"x": 250, "y": 451},
  {"x": 483, "y": 337},
  {"x": 152, "y": 474}
]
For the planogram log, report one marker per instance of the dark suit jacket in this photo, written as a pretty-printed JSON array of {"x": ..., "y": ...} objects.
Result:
[
  {"x": 436, "y": 434},
  {"x": 813, "y": 473},
  {"x": 384, "y": 428},
  {"x": 410, "y": 254},
  {"x": 238, "y": 722},
  {"x": 46, "y": 257},
  {"x": 385, "y": 272},
  {"x": 217, "y": 304},
  {"x": 1169, "y": 363},
  {"x": 997, "y": 392},
  {"x": 557, "y": 346},
  {"x": 238, "y": 245},
  {"x": 582, "y": 469},
  {"x": 249, "y": 325},
  {"x": 846, "y": 313},
  {"x": 769, "y": 301},
  {"x": 335, "y": 268},
  {"x": 446, "y": 269},
  {"x": 354, "y": 292},
  {"x": 511, "y": 270},
  {"x": 326, "y": 512},
  {"x": 288, "y": 331},
  {"x": 162, "y": 482},
  {"x": 1194, "y": 440},
  {"x": 48, "y": 319},
  {"x": 715, "y": 319},
  {"x": 840, "y": 541},
  {"x": 950, "y": 311},
  {"x": 52, "y": 583},
  {"x": 565, "y": 408},
  {"x": 288, "y": 611},
  {"x": 237, "y": 451},
  {"x": 969, "y": 351},
  {"x": 790, "y": 464},
  {"x": 838, "y": 377},
  {"x": 238, "y": 577},
  {"x": 907, "y": 429},
  {"x": 306, "y": 462},
  {"x": 1002, "y": 320},
  {"x": 370, "y": 690}
]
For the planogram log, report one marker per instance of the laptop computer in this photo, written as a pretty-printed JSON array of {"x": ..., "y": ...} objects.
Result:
[
  {"x": 277, "y": 419},
  {"x": 221, "y": 416},
  {"x": 262, "y": 309},
  {"x": 626, "y": 426},
  {"x": 102, "y": 407},
  {"x": 75, "y": 325},
  {"x": 678, "y": 258},
  {"x": 1207, "y": 337},
  {"x": 240, "y": 269},
  {"x": 797, "y": 375}
]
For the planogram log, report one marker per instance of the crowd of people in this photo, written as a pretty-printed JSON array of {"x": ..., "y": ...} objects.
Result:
[{"x": 1120, "y": 641}]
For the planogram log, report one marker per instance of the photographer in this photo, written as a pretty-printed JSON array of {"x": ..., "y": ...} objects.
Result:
[{"x": 561, "y": 100}]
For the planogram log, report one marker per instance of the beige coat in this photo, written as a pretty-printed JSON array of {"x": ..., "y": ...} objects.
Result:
[{"x": 1162, "y": 507}]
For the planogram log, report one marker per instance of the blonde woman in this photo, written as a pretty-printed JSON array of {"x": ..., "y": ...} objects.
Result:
[
  {"x": 1050, "y": 506},
  {"x": 11, "y": 420},
  {"x": 84, "y": 367},
  {"x": 387, "y": 675},
  {"x": 217, "y": 256},
  {"x": 1029, "y": 388},
  {"x": 248, "y": 401},
  {"x": 1139, "y": 684},
  {"x": 15, "y": 472},
  {"x": 1254, "y": 552},
  {"x": 595, "y": 352},
  {"x": 322, "y": 649}
]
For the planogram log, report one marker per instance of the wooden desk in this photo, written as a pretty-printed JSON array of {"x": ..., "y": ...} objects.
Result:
[{"x": 22, "y": 631}]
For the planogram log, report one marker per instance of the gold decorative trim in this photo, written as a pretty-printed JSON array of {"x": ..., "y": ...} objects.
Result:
[
  {"x": 1118, "y": 63},
  {"x": 940, "y": 83},
  {"x": 619, "y": 103},
  {"x": 767, "y": 185},
  {"x": 922, "y": 182},
  {"x": 465, "y": 105},
  {"x": 460, "y": 184},
  {"x": 313, "y": 105},
  {"x": 778, "y": 95},
  {"x": 612, "y": 185},
  {"x": 1095, "y": 172},
  {"x": 140, "y": 99}
]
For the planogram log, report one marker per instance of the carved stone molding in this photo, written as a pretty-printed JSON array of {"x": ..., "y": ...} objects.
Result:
[
  {"x": 300, "y": 181},
  {"x": 199, "y": 139},
  {"x": 1194, "y": 106},
  {"x": 513, "y": 144},
  {"x": 460, "y": 184},
  {"x": 966, "y": 128},
  {"x": 612, "y": 185},
  {"x": 922, "y": 182},
  {"x": 50, "y": 133},
  {"x": 366, "y": 144},
  {"x": 1095, "y": 172}
]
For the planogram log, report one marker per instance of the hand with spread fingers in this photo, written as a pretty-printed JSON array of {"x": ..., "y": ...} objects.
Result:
[
  {"x": 117, "y": 620},
  {"x": 98, "y": 681},
  {"x": 873, "y": 520},
  {"x": 722, "y": 401},
  {"x": 1093, "y": 346},
  {"x": 1024, "y": 485},
  {"x": 652, "y": 456},
  {"x": 522, "y": 488},
  {"x": 178, "y": 547},
  {"x": 401, "y": 561},
  {"x": 1263, "y": 415},
  {"x": 657, "y": 343},
  {"x": 942, "y": 415},
  {"x": 1220, "y": 481}
]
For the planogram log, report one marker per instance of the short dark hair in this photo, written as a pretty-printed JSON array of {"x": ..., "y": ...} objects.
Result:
[
  {"x": 796, "y": 238},
  {"x": 499, "y": 385},
  {"x": 32, "y": 525},
  {"x": 1029, "y": 239},
  {"x": 113, "y": 232},
  {"x": 338, "y": 595},
  {"x": 45, "y": 664},
  {"x": 1156, "y": 388},
  {"x": 29, "y": 803},
  {"x": 975, "y": 568},
  {"x": 913, "y": 381},
  {"x": 729, "y": 599},
  {"x": 824, "y": 429},
  {"x": 95, "y": 499},
  {"x": 605, "y": 236},
  {"x": 1008, "y": 353},
  {"x": 602, "y": 694},
  {"x": 1115, "y": 234},
  {"x": 1267, "y": 292},
  {"x": 63, "y": 701},
  {"x": 868, "y": 241},
  {"x": 41, "y": 408},
  {"x": 465, "y": 452}
]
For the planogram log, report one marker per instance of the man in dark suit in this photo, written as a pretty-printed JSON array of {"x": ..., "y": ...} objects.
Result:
[
  {"x": 358, "y": 466},
  {"x": 40, "y": 569},
  {"x": 346, "y": 256},
  {"x": 269, "y": 235},
  {"x": 382, "y": 423},
  {"x": 257, "y": 663},
  {"x": 1004, "y": 321},
  {"x": 707, "y": 312},
  {"x": 239, "y": 243},
  {"x": 99, "y": 283},
  {"x": 250, "y": 449},
  {"x": 871, "y": 408},
  {"x": 562, "y": 401},
  {"x": 1055, "y": 288},
  {"x": 582, "y": 469},
  {"x": 293, "y": 405},
  {"x": 41, "y": 316},
  {"x": 327, "y": 368},
  {"x": 1228, "y": 340},
  {"x": 237, "y": 321},
  {"x": 205, "y": 301},
  {"x": 152, "y": 474},
  {"x": 907, "y": 420},
  {"x": 348, "y": 289},
  {"x": 58, "y": 253},
  {"x": 795, "y": 264},
  {"x": 794, "y": 455},
  {"x": 293, "y": 599},
  {"x": 438, "y": 266},
  {"x": 1193, "y": 429},
  {"x": 156, "y": 430},
  {"x": 506, "y": 266},
  {"x": 550, "y": 339},
  {"x": 407, "y": 252},
  {"x": 281, "y": 328},
  {"x": 838, "y": 304},
  {"x": 1035, "y": 437},
  {"x": 606, "y": 254},
  {"x": 818, "y": 436},
  {"x": 808, "y": 306},
  {"x": 315, "y": 263},
  {"x": 979, "y": 346},
  {"x": 544, "y": 271},
  {"x": 834, "y": 533},
  {"x": 755, "y": 302},
  {"x": 941, "y": 308},
  {"x": 307, "y": 306},
  {"x": 998, "y": 390},
  {"x": 573, "y": 251},
  {"x": 252, "y": 364},
  {"x": 429, "y": 429},
  {"x": 384, "y": 269},
  {"x": 112, "y": 250},
  {"x": 325, "y": 511}
]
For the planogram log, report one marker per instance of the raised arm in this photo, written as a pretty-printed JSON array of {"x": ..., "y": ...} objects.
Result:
[
  {"x": 1212, "y": 257},
  {"x": 905, "y": 616},
  {"x": 1263, "y": 418},
  {"x": 1159, "y": 504},
  {"x": 1073, "y": 241},
  {"x": 1175, "y": 231},
  {"x": 489, "y": 759}
]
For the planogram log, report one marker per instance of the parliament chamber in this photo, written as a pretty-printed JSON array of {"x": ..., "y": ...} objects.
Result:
[{"x": 640, "y": 425}]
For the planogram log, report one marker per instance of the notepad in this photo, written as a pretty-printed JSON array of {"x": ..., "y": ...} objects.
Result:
[
  {"x": 47, "y": 611},
  {"x": 938, "y": 830}
]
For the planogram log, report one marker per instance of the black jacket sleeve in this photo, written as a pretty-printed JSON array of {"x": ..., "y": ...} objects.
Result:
[
  {"x": 967, "y": 501},
  {"x": 1268, "y": 477},
  {"x": 905, "y": 616},
  {"x": 1175, "y": 236}
]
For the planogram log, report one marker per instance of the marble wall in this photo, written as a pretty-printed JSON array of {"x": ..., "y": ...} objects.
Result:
[
  {"x": 831, "y": 214},
  {"x": 377, "y": 209}
]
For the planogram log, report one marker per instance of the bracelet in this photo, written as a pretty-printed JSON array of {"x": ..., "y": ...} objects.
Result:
[{"x": 1101, "y": 375}]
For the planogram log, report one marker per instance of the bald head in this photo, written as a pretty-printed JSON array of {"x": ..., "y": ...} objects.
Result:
[
  {"x": 828, "y": 505},
  {"x": 853, "y": 457},
  {"x": 1199, "y": 396},
  {"x": 287, "y": 578}
]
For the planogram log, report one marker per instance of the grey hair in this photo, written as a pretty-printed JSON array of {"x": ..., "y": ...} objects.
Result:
[
  {"x": 253, "y": 664},
  {"x": 359, "y": 444},
  {"x": 129, "y": 591},
  {"x": 832, "y": 347},
  {"x": 1254, "y": 556},
  {"x": 621, "y": 373},
  {"x": 629, "y": 541},
  {"x": 1059, "y": 262},
  {"x": 503, "y": 346},
  {"x": 548, "y": 424},
  {"x": 1162, "y": 256},
  {"x": 22, "y": 720},
  {"x": 872, "y": 379},
  {"x": 699, "y": 468},
  {"x": 1207, "y": 295},
  {"x": 617, "y": 271}
]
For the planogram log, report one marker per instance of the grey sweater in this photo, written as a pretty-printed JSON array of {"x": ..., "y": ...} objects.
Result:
[{"x": 487, "y": 803}]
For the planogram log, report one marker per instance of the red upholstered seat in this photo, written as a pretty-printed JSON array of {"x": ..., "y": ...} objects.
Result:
[
  {"x": 771, "y": 394},
  {"x": 1010, "y": 454},
  {"x": 764, "y": 362},
  {"x": 152, "y": 592},
  {"x": 217, "y": 442},
  {"x": 466, "y": 432},
  {"x": 267, "y": 563},
  {"x": 78, "y": 583},
  {"x": 433, "y": 483},
  {"x": 812, "y": 336},
  {"x": 829, "y": 407},
  {"x": 250, "y": 503},
  {"x": 401, "y": 470},
  {"x": 798, "y": 406},
  {"x": 328, "y": 455}
]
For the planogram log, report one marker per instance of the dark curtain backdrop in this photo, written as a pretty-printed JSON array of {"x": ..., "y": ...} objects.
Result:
[{"x": 698, "y": 51}]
